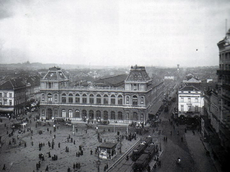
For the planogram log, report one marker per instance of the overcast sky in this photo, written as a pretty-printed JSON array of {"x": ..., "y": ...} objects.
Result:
[{"x": 113, "y": 32}]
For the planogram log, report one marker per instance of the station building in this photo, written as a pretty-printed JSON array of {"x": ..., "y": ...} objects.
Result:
[{"x": 129, "y": 101}]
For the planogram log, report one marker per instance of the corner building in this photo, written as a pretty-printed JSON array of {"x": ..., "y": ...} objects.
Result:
[{"x": 130, "y": 102}]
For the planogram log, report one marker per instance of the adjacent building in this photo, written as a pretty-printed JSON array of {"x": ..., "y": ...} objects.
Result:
[
  {"x": 115, "y": 100},
  {"x": 224, "y": 92},
  {"x": 190, "y": 101},
  {"x": 12, "y": 97}
]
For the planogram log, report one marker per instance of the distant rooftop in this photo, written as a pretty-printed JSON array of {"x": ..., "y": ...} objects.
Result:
[
  {"x": 13, "y": 84},
  {"x": 138, "y": 73}
]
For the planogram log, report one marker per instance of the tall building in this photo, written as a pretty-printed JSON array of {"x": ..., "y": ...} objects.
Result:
[
  {"x": 224, "y": 91},
  {"x": 13, "y": 97},
  {"x": 122, "y": 102}
]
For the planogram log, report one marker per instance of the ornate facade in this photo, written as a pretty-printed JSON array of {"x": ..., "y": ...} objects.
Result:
[{"x": 124, "y": 104}]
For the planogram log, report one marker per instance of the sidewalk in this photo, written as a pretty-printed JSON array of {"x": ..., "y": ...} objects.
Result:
[
  {"x": 208, "y": 148},
  {"x": 198, "y": 153}
]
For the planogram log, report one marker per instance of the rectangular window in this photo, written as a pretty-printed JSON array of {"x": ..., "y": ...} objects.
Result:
[
  {"x": 182, "y": 108},
  {"x": 5, "y": 102},
  {"x": 5, "y": 94},
  {"x": 0, "y": 94},
  {"x": 196, "y": 99},
  {"x": 10, "y": 102},
  {"x": 182, "y": 99},
  {"x": 10, "y": 94}
]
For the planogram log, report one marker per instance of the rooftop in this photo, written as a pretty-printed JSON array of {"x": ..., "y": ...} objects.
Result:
[{"x": 138, "y": 73}]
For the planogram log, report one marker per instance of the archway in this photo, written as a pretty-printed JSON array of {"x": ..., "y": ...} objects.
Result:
[
  {"x": 91, "y": 115},
  {"x": 49, "y": 114}
]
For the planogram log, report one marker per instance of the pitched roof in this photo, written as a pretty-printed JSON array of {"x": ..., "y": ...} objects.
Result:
[
  {"x": 192, "y": 80},
  {"x": 189, "y": 88},
  {"x": 138, "y": 73},
  {"x": 113, "y": 81},
  {"x": 13, "y": 84}
]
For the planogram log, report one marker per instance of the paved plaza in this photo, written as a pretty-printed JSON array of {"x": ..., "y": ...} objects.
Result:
[{"x": 25, "y": 156}]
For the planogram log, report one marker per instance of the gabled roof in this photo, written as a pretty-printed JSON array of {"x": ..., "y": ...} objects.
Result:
[
  {"x": 189, "y": 88},
  {"x": 192, "y": 80},
  {"x": 138, "y": 73},
  {"x": 13, "y": 84},
  {"x": 55, "y": 73}
]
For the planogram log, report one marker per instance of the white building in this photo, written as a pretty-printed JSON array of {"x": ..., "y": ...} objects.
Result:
[{"x": 190, "y": 101}]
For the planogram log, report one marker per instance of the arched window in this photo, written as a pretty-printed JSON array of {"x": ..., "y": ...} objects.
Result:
[
  {"x": 112, "y": 99},
  {"x": 91, "y": 114},
  {"x": 113, "y": 115},
  {"x": 135, "y": 100},
  {"x": 70, "y": 98},
  {"x": 105, "y": 115},
  {"x": 120, "y": 102},
  {"x": 77, "y": 113},
  {"x": 63, "y": 113},
  {"x": 120, "y": 116},
  {"x": 98, "y": 115},
  {"x": 77, "y": 98},
  {"x": 135, "y": 116},
  {"x": 106, "y": 99},
  {"x": 98, "y": 99},
  {"x": 43, "y": 97},
  {"x": 63, "y": 98},
  {"x": 49, "y": 97},
  {"x": 91, "y": 99},
  {"x": 84, "y": 98},
  {"x": 70, "y": 113},
  {"x": 84, "y": 114}
]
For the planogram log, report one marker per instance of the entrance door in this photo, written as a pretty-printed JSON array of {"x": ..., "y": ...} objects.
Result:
[{"x": 49, "y": 114}]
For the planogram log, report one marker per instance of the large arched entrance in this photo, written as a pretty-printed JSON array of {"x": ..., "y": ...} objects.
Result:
[
  {"x": 98, "y": 115},
  {"x": 91, "y": 115},
  {"x": 49, "y": 114}
]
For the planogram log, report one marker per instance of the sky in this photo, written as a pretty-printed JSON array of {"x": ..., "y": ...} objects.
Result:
[{"x": 113, "y": 32}]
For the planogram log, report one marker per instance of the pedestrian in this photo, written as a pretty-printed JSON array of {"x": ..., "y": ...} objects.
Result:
[
  {"x": 47, "y": 168},
  {"x": 74, "y": 166},
  {"x": 68, "y": 170},
  {"x": 4, "y": 167},
  {"x": 25, "y": 144},
  {"x": 74, "y": 142},
  {"x": 181, "y": 139},
  {"x": 91, "y": 152},
  {"x": 59, "y": 144}
]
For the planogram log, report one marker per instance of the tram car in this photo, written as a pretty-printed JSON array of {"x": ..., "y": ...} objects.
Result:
[
  {"x": 147, "y": 140},
  {"x": 141, "y": 163},
  {"x": 138, "y": 151},
  {"x": 150, "y": 150}
]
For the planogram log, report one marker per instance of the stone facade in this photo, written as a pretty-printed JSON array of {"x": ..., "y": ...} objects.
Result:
[{"x": 123, "y": 104}]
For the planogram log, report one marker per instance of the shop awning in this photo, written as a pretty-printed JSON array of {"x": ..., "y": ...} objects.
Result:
[{"x": 3, "y": 109}]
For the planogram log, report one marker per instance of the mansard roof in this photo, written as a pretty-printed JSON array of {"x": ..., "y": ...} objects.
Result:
[
  {"x": 138, "y": 73},
  {"x": 55, "y": 73}
]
